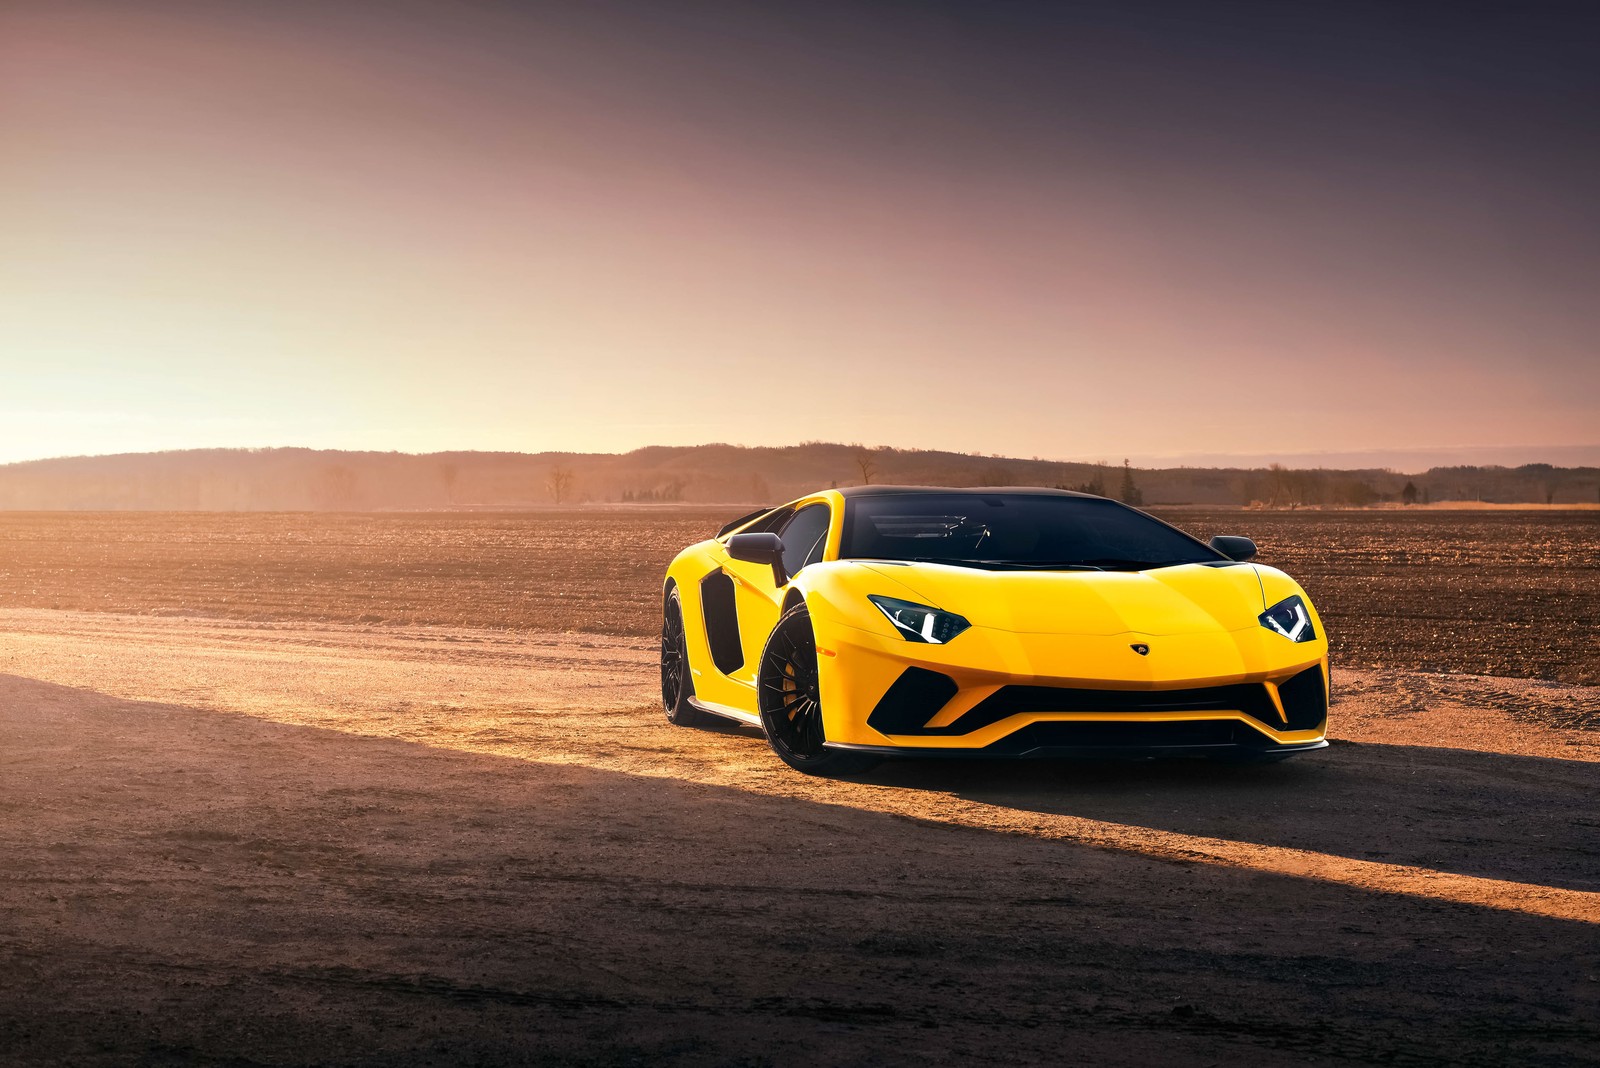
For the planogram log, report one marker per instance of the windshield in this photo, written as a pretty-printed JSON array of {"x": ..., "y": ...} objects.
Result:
[{"x": 1019, "y": 531}]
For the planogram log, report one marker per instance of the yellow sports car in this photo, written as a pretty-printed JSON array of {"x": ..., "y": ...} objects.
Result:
[{"x": 856, "y": 624}]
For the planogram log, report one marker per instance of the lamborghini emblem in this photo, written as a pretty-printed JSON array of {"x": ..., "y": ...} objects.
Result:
[{"x": 1141, "y": 648}]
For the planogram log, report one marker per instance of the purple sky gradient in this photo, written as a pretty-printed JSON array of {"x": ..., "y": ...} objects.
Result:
[{"x": 1067, "y": 230}]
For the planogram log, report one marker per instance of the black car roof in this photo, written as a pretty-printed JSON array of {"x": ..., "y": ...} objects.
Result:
[
  {"x": 893, "y": 491},
  {"x": 985, "y": 491}
]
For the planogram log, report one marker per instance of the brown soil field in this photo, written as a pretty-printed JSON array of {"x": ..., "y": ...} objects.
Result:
[
  {"x": 1512, "y": 593},
  {"x": 396, "y": 790},
  {"x": 1497, "y": 593}
]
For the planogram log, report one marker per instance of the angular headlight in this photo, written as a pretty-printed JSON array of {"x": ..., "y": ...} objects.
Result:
[
  {"x": 1290, "y": 618},
  {"x": 918, "y": 622}
]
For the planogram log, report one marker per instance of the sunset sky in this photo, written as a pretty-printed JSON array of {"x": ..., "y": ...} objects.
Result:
[{"x": 1074, "y": 230}]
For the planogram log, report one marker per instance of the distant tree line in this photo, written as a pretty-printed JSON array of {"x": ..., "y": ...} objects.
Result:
[
  {"x": 670, "y": 493},
  {"x": 311, "y": 480}
]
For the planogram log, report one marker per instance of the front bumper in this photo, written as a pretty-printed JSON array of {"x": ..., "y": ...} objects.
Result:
[
  {"x": 1006, "y": 694},
  {"x": 1019, "y": 747}
]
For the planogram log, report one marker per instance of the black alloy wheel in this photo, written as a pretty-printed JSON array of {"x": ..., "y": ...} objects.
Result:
[{"x": 791, "y": 701}]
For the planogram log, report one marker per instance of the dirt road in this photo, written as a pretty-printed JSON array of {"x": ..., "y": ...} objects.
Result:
[{"x": 293, "y": 843}]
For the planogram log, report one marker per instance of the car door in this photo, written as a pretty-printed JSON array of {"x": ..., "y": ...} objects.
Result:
[
  {"x": 758, "y": 598},
  {"x": 726, "y": 679}
]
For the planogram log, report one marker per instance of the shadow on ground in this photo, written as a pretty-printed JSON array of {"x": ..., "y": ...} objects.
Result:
[
  {"x": 1493, "y": 815},
  {"x": 184, "y": 886}
]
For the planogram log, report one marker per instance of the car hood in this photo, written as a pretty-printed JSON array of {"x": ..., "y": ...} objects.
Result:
[{"x": 1187, "y": 599}]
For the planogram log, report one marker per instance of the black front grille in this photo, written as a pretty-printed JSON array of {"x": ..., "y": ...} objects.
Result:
[
  {"x": 1101, "y": 734},
  {"x": 1249, "y": 698}
]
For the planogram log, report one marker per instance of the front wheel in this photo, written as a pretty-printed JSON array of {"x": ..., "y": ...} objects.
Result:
[{"x": 791, "y": 701}]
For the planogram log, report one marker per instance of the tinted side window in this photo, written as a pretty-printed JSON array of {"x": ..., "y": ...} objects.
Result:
[
  {"x": 805, "y": 537},
  {"x": 769, "y": 523}
]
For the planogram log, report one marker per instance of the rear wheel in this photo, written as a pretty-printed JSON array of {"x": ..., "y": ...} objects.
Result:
[
  {"x": 677, "y": 686},
  {"x": 791, "y": 701}
]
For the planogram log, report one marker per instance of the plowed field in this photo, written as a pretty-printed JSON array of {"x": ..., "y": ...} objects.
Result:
[{"x": 1498, "y": 593}]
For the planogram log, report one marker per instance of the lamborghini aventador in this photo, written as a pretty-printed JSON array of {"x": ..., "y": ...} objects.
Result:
[{"x": 880, "y": 621}]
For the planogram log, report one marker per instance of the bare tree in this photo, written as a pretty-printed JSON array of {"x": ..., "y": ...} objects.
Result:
[
  {"x": 559, "y": 483},
  {"x": 868, "y": 464},
  {"x": 1277, "y": 485},
  {"x": 1305, "y": 487}
]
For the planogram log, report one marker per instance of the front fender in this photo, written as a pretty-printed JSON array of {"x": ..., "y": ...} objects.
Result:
[{"x": 836, "y": 595}]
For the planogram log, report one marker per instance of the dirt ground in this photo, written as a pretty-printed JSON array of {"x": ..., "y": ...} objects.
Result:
[
  {"x": 1491, "y": 593},
  {"x": 245, "y": 842}
]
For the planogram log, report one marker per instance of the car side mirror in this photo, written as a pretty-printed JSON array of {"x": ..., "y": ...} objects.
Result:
[
  {"x": 1234, "y": 548},
  {"x": 760, "y": 549}
]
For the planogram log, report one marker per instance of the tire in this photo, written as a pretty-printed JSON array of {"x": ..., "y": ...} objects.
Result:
[
  {"x": 677, "y": 683},
  {"x": 791, "y": 707}
]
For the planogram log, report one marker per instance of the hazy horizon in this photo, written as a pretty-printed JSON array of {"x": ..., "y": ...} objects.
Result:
[
  {"x": 1162, "y": 231},
  {"x": 1417, "y": 460}
]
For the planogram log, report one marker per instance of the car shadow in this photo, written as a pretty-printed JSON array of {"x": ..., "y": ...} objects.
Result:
[{"x": 1494, "y": 815}]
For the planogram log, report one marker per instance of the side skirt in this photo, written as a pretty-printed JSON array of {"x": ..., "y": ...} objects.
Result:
[{"x": 727, "y": 713}]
